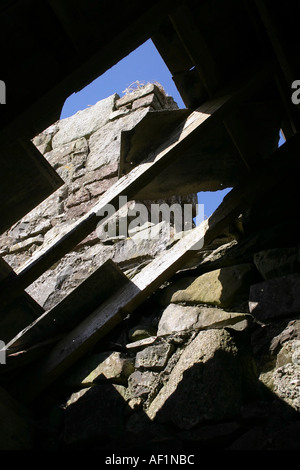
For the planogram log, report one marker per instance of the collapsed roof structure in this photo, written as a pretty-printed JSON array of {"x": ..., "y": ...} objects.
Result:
[{"x": 233, "y": 63}]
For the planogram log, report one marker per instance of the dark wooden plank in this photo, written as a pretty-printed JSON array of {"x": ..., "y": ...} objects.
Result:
[
  {"x": 181, "y": 67},
  {"x": 277, "y": 41},
  {"x": 17, "y": 315},
  {"x": 196, "y": 48},
  {"x": 19, "y": 360},
  {"x": 6, "y": 270},
  {"x": 78, "y": 69},
  {"x": 209, "y": 73},
  {"x": 27, "y": 179},
  {"x": 20, "y": 312},
  {"x": 79, "y": 303},
  {"x": 73, "y": 23}
]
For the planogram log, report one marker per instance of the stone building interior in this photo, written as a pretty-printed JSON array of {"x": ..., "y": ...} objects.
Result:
[{"x": 123, "y": 343}]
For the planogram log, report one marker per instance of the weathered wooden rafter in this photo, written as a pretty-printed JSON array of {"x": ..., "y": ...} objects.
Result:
[
  {"x": 207, "y": 69},
  {"x": 276, "y": 40},
  {"x": 91, "y": 292},
  {"x": 33, "y": 180},
  {"x": 286, "y": 70},
  {"x": 50, "y": 326},
  {"x": 18, "y": 313}
]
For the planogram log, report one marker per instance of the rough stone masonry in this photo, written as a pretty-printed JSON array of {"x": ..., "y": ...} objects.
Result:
[
  {"x": 84, "y": 149},
  {"x": 209, "y": 361}
]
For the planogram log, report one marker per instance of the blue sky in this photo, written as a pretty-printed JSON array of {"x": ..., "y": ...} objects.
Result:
[{"x": 143, "y": 65}]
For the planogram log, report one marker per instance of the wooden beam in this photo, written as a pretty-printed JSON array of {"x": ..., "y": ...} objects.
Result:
[
  {"x": 196, "y": 125},
  {"x": 6, "y": 270},
  {"x": 28, "y": 344},
  {"x": 276, "y": 41},
  {"x": 102, "y": 320},
  {"x": 73, "y": 23},
  {"x": 257, "y": 9},
  {"x": 27, "y": 179},
  {"x": 31, "y": 119},
  {"x": 18, "y": 313},
  {"x": 181, "y": 67},
  {"x": 207, "y": 69},
  {"x": 196, "y": 48},
  {"x": 79, "y": 303}
]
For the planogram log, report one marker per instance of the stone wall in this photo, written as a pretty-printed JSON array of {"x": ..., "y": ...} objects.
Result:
[
  {"x": 84, "y": 149},
  {"x": 211, "y": 360},
  {"x": 204, "y": 364}
]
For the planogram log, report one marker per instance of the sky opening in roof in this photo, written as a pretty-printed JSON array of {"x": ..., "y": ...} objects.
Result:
[{"x": 143, "y": 65}]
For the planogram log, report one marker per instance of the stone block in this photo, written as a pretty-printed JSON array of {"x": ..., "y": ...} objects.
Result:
[
  {"x": 277, "y": 262},
  {"x": 97, "y": 188},
  {"x": 79, "y": 197},
  {"x": 149, "y": 100},
  {"x": 106, "y": 171},
  {"x": 207, "y": 382},
  {"x": 140, "y": 332},
  {"x": 79, "y": 210},
  {"x": 105, "y": 143},
  {"x": 135, "y": 95},
  {"x": 43, "y": 144},
  {"x": 287, "y": 384},
  {"x": 97, "y": 368},
  {"x": 275, "y": 298},
  {"x": 219, "y": 287},
  {"x": 140, "y": 384},
  {"x": 178, "y": 317},
  {"x": 119, "y": 113},
  {"x": 26, "y": 244},
  {"x": 142, "y": 343},
  {"x": 85, "y": 122},
  {"x": 154, "y": 357},
  {"x": 30, "y": 227}
]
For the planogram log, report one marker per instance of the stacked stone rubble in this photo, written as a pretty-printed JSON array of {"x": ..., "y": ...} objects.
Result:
[{"x": 204, "y": 371}]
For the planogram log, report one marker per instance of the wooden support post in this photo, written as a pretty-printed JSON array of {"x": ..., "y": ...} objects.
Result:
[
  {"x": 276, "y": 41},
  {"x": 209, "y": 74},
  {"x": 196, "y": 48},
  {"x": 103, "y": 319}
]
